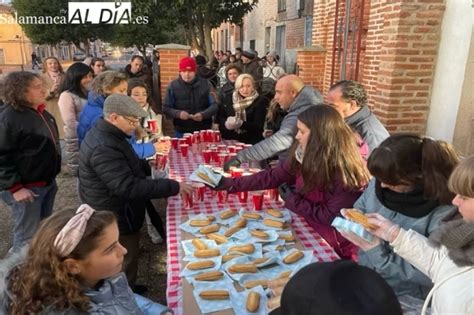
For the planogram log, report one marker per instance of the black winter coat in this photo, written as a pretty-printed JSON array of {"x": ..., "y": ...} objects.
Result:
[
  {"x": 112, "y": 177},
  {"x": 30, "y": 153},
  {"x": 252, "y": 129}
]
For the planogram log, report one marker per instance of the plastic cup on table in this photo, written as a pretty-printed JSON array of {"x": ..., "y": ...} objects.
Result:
[
  {"x": 209, "y": 135},
  {"x": 231, "y": 149},
  {"x": 160, "y": 161},
  {"x": 222, "y": 157},
  {"x": 199, "y": 190},
  {"x": 196, "y": 137},
  {"x": 237, "y": 172},
  {"x": 238, "y": 149},
  {"x": 153, "y": 125},
  {"x": 243, "y": 197},
  {"x": 215, "y": 154},
  {"x": 217, "y": 136},
  {"x": 222, "y": 148},
  {"x": 257, "y": 199},
  {"x": 174, "y": 143},
  {"x": 222, "y": 196},
  {"x": 187, "y": 200},
  {"x": 273, "y": 194},
  {"x": 184, "y": 149},
  {"x": 206, "y": 155}
]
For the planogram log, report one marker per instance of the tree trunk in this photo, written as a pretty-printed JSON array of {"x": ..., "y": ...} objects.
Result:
[
  {"x": 208, "y": 40},
  {"x": 200, "y": 32}
]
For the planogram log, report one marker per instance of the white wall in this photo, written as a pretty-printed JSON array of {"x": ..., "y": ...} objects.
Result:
[{"x": 450, "y": 68}]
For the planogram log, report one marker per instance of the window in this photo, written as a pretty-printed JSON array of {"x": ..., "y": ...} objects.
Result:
[
  {"x": 268, "y": 31},
  {"x": 252, "y": 44},
  {"x": 308, "y": 28},
  {"x": 280, "y": 40},
  {"x": 281, "y": 5}
]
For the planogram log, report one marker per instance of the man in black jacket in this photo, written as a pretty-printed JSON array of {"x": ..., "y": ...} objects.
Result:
[
  {"x": 112, "y": 177},
  {"x": 190, "y": 100},
  {"x": 30, "y": 155}
]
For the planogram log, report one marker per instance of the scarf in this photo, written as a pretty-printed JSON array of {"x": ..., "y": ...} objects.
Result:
[
  {"x": 411, "y": 204},
  {"x": 241, "y": 104},
  {"x": 54, "y": 75},
  {"x": 457, "y": 236},
  {"x": 299, "y": 154}
]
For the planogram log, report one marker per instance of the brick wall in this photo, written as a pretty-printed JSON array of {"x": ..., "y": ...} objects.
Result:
[
  {"x": 397, "y": 59},
  {"x": 311, "y": 66},
  {"x": 169, "y": 62},
  {"x": 295, "y": 33}
]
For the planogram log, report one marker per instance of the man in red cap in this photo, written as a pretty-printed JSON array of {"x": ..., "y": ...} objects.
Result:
[{"x": 189, "y": 100}]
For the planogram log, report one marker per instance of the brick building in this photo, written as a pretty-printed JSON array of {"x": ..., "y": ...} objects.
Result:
[
  {"x": 283, "y": 25},
  {"x": 402, "y": 51}
]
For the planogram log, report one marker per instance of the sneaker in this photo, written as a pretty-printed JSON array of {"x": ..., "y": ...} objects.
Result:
[{"x": 154, "y": 235}]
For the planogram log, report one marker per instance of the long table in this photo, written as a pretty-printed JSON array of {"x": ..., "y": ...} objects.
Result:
[{"x": 180, "y": 170}]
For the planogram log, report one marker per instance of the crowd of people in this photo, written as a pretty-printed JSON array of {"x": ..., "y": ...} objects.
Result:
[{"x": 323, "y": 155}]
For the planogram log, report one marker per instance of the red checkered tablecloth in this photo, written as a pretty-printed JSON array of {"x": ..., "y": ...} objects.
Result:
[{"x": 180, "y": 169}]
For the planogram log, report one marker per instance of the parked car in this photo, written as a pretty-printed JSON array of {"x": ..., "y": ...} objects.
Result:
[{"x": 79, "y": 56}]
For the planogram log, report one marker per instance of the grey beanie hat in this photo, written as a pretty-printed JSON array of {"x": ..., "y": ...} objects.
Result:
[{"x": 123, "y": 105}]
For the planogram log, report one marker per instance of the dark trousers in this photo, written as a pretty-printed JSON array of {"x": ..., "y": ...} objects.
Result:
[
  {"x": 155, "y": 219},
  {"x": 130, "y": 263}
]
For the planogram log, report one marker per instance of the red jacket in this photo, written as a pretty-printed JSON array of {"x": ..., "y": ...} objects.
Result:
[{"x": 319, "y": 208}]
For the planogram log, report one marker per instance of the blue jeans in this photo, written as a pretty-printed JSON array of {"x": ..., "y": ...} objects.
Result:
[{"x": 27, "y": 215}]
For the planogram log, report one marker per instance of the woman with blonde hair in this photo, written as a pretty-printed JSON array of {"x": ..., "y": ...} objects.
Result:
[
  {"x": 248, "y": 112},
  {"x": 53, "y": 76},
  {"x": 328, "y": 171}
]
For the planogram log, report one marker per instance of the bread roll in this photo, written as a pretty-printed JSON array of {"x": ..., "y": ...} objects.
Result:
[
  {"x": 206, "y": 253},
  {"x": 251, "y": 215},
  {"x": 220, "y": 239},
  {"x": 229, "y": 232},
  {"x": 199, "y": 244},
  {"x": 200, "y": 223},
  {"x": 253, "y": 302},
  {"x": 275, "y": 213},
  {"x": 243, "y": 268},
  {"x": 259, "y": 234},
  {"x": 274, "y": 223},
  {"x": 228, "y": 214},
  {"x": 198, "y": 265},
  {"x": 209, "y": 276},
  {"x": 254, "y": 283},
  {"x": 293, "y": 257},
  {"x": 209, "y": 229},
  {"x": 247, "y": 249},
  {"x": 214, "y": 295}
]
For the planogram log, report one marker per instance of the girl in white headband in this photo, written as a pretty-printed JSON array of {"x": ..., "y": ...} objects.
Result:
[{"x": 73, "y": 266}]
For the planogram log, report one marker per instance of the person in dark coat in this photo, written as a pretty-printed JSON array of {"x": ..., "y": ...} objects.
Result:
[
  {"x": 138, "y": 69},
  {"x": 225, "y": 110},
  {"x": 246, "y": 115},
  {"x": 30, "y": 155},
  {"x": 326, "y": 166},
  {"x": 112, "y": 177},
  {"x": 250, "y": 65},
  {"x": 189, "y": 100},
  {"x": 205, "y": 72},
  {"x": 350, "y": 100}
]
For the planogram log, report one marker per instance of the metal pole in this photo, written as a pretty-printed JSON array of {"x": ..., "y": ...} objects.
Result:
[
  {"x": 346, "y": 32},
  {"x": 336, "y": 22}
]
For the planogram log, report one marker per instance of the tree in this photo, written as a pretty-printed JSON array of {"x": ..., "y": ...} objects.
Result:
[
  {"x": 160, "y": 25},
  {"x": 53, "y": 34},
  {"x": 201, "y": 16}
]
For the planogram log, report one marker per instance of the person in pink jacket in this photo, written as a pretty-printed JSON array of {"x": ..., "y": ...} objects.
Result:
[{"x": 326, "y": 167}]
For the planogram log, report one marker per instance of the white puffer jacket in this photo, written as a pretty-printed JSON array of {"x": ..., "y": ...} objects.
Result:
[{"x": 453, "y": 291}]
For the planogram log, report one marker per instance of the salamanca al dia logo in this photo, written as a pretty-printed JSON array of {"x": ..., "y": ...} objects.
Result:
[{"x": 116, "y": 12}]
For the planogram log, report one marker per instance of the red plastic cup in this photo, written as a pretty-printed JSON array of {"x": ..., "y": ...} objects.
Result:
[
  {"x": 196, "y": 137},
  {"x": 243, "y": 197},
  {"x": 222, "y": 196},
  {"x": 174, "y": 143},
  {"x": 222, "y": 157},
  {"x": 217, "y": 136},
  {"x": 231, "y": 148},
  {"x": 237, "y": 172},
  {"x": 206, "y": 155},
  {"x": 257, "y": 199},
  {"x": 160, "y": 161},
  {"x": 238, "y": 149},
  {"x": 199, "y": 190},
  {"x": 273, "y": 194},
  {"x": 153, "y": 125},
  {"x": 215, "y": 154},
  {"x": 184, "y": 149},
  {"x": 210, "y": 135},
  {"x": 188, "y": 139},
  {"x": 222, "y": 148},
  {"x": 187, "y": 201}
]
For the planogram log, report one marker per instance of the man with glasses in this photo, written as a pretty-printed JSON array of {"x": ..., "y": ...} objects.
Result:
[{"x": 112, "y": 177}]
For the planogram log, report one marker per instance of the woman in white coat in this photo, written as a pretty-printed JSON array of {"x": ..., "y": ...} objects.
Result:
[{"x": 447, "y": 257}]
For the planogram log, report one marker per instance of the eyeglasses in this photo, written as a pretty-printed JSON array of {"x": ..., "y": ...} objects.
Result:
[{"x": 132, "y": 122}]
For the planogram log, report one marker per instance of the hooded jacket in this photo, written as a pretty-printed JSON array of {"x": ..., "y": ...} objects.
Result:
[{"x": 281, "y": 141}]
